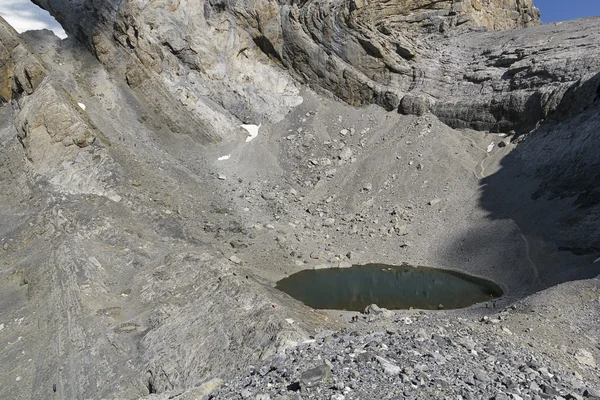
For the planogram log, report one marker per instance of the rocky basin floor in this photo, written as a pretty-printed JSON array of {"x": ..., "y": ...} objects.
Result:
[{"x": 527, "y": 350}]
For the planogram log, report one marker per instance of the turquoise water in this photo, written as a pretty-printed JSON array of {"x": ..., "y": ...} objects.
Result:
[{"x": 388, "y": 286}]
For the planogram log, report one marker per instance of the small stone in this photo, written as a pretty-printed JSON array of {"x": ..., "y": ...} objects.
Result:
[
  {"x": 573, "y": 396},
  {"x": 269, "y": 195},
  {"x": 419, "y": 166},
  {"x": 235, "y": 260},
  {"x": 466, "y": 342},
  {"x": 434, "y": 201},
  {"x": 222, "y": 177},
  {"x": 337, "y": 396},
  {"x": 346, "y": 154},
  {"x": 344, "y": 264},
  {"x": 584, "y": 357},
  {"x": 344, "y": 132},
  {"x": 502, "y": 144},
  {"x": 481, "y": 376},
  {"x": 549, "y": 390},
  {"x": 421, "y": 335},
  {"x": 365, "y": 356},
  {"x": 329, "y": 222},
  {"x": 318, "y": 255},
  {"x": 545, "y": 373},
  {"x": 373, "y": 309},
  {"x": 246, "y": 393},
  {"x": 388, "y": 367},
  {"x": 263, "y": 397},
  {"x": 507, "y": 331},
  {"x": 204, "y": 390},
  {"x": 368, "y": 187},
  {"x": 590, "y": 392}
]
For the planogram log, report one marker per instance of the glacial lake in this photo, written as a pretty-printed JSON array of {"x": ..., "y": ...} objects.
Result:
[{"x": 388, "y": 286}]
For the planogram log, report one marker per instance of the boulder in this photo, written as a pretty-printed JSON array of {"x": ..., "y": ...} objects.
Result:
[{"x": 314, "y": 376}]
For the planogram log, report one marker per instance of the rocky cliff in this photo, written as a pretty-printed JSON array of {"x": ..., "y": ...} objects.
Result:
[{"x": 141, "y": 233}]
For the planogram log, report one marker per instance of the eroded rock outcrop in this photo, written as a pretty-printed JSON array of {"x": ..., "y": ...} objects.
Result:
[
  {"x": 55, "y": 132},
  {"x": 415, "y": 56},
  {"x": 20, "y": 71}
]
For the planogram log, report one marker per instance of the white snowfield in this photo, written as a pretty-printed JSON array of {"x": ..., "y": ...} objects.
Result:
[
  {"x": 490, "y": 147},
  {"x": 252, "y": 131},
  {"x": 222, "y": 158}
]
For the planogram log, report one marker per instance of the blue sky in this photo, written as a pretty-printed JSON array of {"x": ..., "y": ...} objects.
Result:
[{"x": 562, "y": 10}]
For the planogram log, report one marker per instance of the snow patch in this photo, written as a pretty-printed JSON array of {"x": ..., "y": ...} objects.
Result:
[
  {"x": 222, "y": 158},
  {"x": 490, "y": 147},
  {"x": 252, "y": 131}
]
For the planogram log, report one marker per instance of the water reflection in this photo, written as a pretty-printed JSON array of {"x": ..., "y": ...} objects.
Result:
[{"x": 393, "y": 287}]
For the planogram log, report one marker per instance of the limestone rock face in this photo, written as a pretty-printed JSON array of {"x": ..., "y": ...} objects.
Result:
[
  {"x": 414, "y": 56},
  {"x": 500, "y": 14},
  {"x": 47, "y": 120},
  {"x": 20, "y": 72},
  {"x": 205, "y": 55}
]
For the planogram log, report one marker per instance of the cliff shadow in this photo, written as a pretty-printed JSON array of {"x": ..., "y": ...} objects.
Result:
[{"x": 549, "y": 185}]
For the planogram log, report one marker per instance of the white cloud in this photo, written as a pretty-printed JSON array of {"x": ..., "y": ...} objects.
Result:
[{"x": 23, "y": 15}]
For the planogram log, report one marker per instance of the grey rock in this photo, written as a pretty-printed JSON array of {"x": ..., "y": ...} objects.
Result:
[
  {"x": 388, "y": 367},
  {"x": 481, "y": 375},
  {"x": 373, "y": 309},
  {"x": 591, "y": 392},
  {"x": 269, "y": 195},
  {"x": 315, "y": 376},
  {"x": 329, "y": 222},
  {"x": 235, "y": 259},
  {"x": 586, "y": 358},
  {"x": 346, "y": 154}
]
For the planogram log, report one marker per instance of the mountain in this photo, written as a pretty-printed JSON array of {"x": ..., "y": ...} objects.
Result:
[{"x": 141, "y": 233}]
